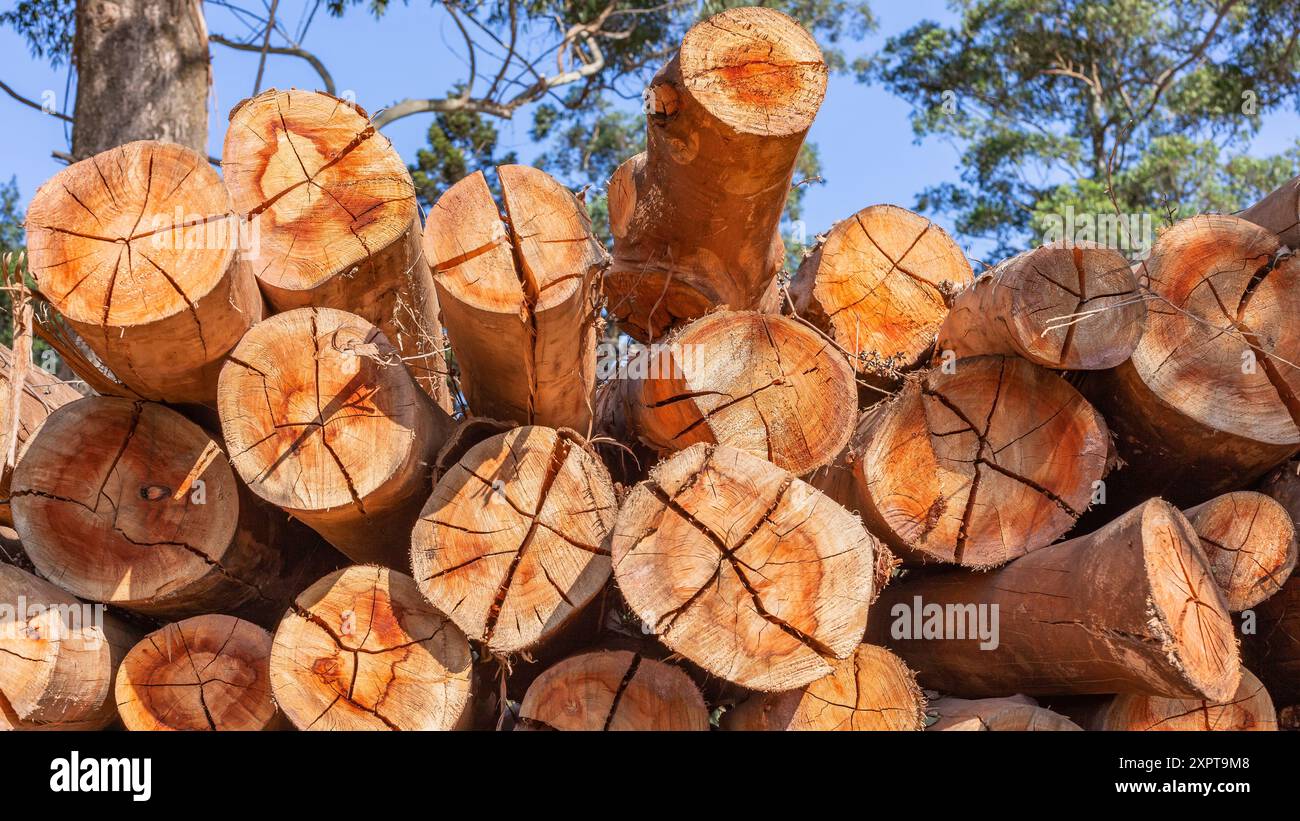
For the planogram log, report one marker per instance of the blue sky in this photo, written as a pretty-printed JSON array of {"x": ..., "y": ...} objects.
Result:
[{"x": 866, "y": 143}]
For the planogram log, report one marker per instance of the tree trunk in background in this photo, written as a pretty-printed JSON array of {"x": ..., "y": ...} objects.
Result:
[{"x": 142, "y": 74}]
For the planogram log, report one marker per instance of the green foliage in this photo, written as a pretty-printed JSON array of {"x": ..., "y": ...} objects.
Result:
[
  {"x": 48, "y": 26},
  {"x": 1054, "y": 101},
  {"x": 460, "y": 143}
]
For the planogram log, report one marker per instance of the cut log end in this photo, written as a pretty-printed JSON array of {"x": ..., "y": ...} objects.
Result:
[
  {"x": 617, "y": 690},
  {"x": 362, "y": 650},
  {"x": 871, "y": 690},
  {"x": 1250, "y": 541},
  {"x": 747, "y": 571},
  {"x": 207, "y": 672},
  {"x": 512, "y": 542},
  {"x": 1015, "y": 714},
  {"x": 1249, "y": 708}
]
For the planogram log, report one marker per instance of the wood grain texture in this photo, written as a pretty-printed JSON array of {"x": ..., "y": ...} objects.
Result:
[
  {"x": 41, "y": 394},
  {"x": 614, "y": 690},
  {"x": 1012, "y": 714},
  {"x": 1248, "y": 709},
  {"x": 1250, "y": 541}
]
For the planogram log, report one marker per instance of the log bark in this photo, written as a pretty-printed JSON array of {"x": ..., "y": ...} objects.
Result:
[
  {"x": 1279, "y": 212},
  {"x": 1249, "y": 708},
  {"x": 978, "y": 466},
  {"x": 695, "y": 217},
  {"x": 58, "y": 656},
  {"x": 764, "y": 384},
  {"x": 128, "y": 503},
  {"x": 1065, "y": 306},
  {"x": 1208, "y": 402},
  {"x": 511, "y": 545},
  {"x": 877, "y": 285},
  {"x": 616, "y": 690},
  {"x": 139, "y": 249},
  {"x": 1013, "y": 714},
  {"x": 209, "y": 672},
  {"x": 362, "y": 650},
  {"x": 870, "y": 690},
  {"x": 1129, "y": 608},
  {"x": 744, "y": 569},
  {"x": 518, "y": 294},
  {"x": 40, "y": 395},
  {"x": 323, "y": 422},
  {"x": 336, "y": 219},
  {"x": 142, "y": 74},
  {"x": 1250, "y": 542}
]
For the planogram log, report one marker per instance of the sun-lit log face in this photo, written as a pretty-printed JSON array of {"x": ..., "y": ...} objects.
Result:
[{"x": 616, "y": 690}]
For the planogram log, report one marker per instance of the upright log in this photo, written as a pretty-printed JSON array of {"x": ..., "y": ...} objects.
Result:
[
  {"x": 129, "y": 503},
  {"x": 878, "y": 284},
  {"x": 1250, "y": 708},
  {"x": 1250, "y": 542},
  {"x": 615, "y": 690},
  {"x": 744, "y": 569},
  {"x": 979, "y": 465},
  {"x": 209, "y": 672},
  {"x": 1013, "y": 714},
  {"x": 764, "y": 384},
  {"x": 139, "y": 249},
  {"x": 40, "y": 395},
  {"x": 1279, "y": 212},
  {"x": 518, "y": 296},
  {"x": 58, "y": 656},
  {"x": 511, "y": 545},
  {"x": 870, "y": 690},
  {"x": 1208, "y": 402},
  {"x": 335, "y": 215},
  {"x": 1129, "y": 608},
  {"x": 362, "y": 650},
  {"x": 695, "y": 217},
  {"x": 1066, "y": 306},
  {"x": 324, "y": 422}
]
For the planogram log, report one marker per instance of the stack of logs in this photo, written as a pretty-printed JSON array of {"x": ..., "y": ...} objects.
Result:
[{"x": 343, "y": 467}]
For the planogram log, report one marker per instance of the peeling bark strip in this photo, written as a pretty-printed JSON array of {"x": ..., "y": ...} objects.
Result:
[
  {"x": 209, "y": 672},
  {"x": 138, "y": 249},
  {"x": 41, "y": 395},
  {"x": 511, "y": 545},
  {"x": 57, "y": 664},
  {"x": 744, "y": 569},
  {"x": 1250, "y": 542},
  {"x": 362, "y": 650},
  {"x": 1070, "y": 307},
  {"x": 876, "y": 286},
  {"x": 695, "y": 218},
  {"x": 1208, "y": 402},
  {"x": 617, "y": 690},
  {"x": 518, "y": 296},
  {"x": 978, "y": 466},
  {"x": 870, "y": 690},
  {"x": 761, "y": 383},
  {"x": 1131, "y": 608},
  {"x": 1249, "y": 708},
  {"x": 92, "y": 501},
  {"x": 321, "y": 420},
  {"x": 335, "y": 214},
  {"x": 1279, "y": 212},
  {"x": 1013, "y": 714}
]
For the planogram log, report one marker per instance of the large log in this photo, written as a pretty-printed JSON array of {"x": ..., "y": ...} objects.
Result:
[
  {"x": 511, "y": 545},
  {"x": 323, "y": 421},
  {"x": 695, "y": 217},
  {"x": 518, "y": 294},
  {"x": 744, "y": 569},
  {"x": 1012, "y": 714},
  {"x": 615, "y": 690},
  {"x": 129, "y": 503},
  {"x": 1250, "y": 542},
  {"x": 1279, "y": 212},
  {"x": 139, "y": 249},
  {"x": 58, "y": 656},
  {"x": 40, "y": 395},
  {"x": 1129, "y": 608},
  {"x": 1208, "y": 402},
  {"x": 1067, "y": 306},
  {"x": 979, "y": 465},
  {"x": 362, "y": 650},
  {"x": 870, "y": 690},
  {"x": 1249, "y": 708},
  {"x": 336, "y": 219},
  {"x": 764, "y": 384},
  {"x": 207, "y": 672},
  {"x": 878, "y": 285}
]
